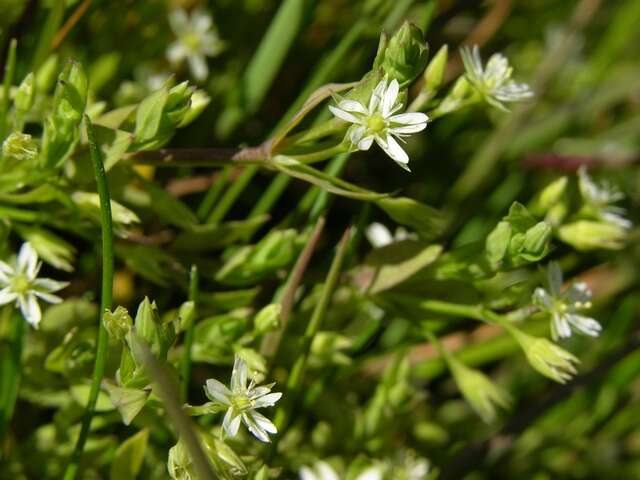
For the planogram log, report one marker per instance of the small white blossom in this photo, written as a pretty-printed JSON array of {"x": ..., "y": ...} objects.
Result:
[
  {"x": 323, "y": 471},
  {"x": 599, "y": 199},
  {"x": 379, "y": 235},
  {"x": 243, "y": 401},
  {"x": 493, "y": 81},
  {"x": 196, "y": 39},
  {"x": 20, "y": 285},
  {"x": 380, "y": 121},
  {"x": 563, "y": 307}
]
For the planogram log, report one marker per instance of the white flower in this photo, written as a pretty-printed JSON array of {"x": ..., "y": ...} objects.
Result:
[
  {"x": 379, "y": 235},
  {"x": 493, "y": 81},
  {"x": 323, "y": 471},
  {"x": 600, "y": 198},
  {"x": 20, "y": 284},
  {"x": 243, "y": 401},
  {"x": 196, "y": 40},
  {"x": 380, "y": 121},
  {"x": 563, "y": 306}
]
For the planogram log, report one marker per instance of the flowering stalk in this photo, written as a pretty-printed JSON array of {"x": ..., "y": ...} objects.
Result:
[
  {"x": 188, "y": 336},
  {"x": 300, "y": 365},
  {"x": 105, "y": 300},
  {"x": 10, "y": 372}
]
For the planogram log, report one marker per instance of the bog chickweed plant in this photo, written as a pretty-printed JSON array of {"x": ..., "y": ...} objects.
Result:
[{"x": 173, "y": 309}]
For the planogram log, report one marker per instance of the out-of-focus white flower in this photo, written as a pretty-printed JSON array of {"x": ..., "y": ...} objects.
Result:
[
  {"x": 323, "y": 471},
  {"x": 196, "y": 39},
  {"x": 21, "y": 284},
  {"x": 379, "y": 235},
  {"x": 380, "y": 121},
  {"x": 243, "y": 401},
  {"x": 493, "y": 81},
  {"x": 563, "y": 307},
  {"x": 409, "y": 466},
  {"x": 599, "y": 199}
]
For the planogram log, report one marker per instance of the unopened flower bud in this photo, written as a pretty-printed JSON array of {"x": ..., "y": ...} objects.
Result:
[
  {"x": 23, "y": 99},
  {"x": 434, "y": 73},
  {"x": 268, "y": 319},
  {"x": 587, "y": 235},
  {"x": 406, "y": 55}
]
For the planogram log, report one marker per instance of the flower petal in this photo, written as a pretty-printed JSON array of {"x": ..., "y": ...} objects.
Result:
[
  {"x": 326, "y": 471},
  {"x": 176, "y": 52},
  {"x": 365, "y": 143},
  {"x": 7, "y": 296},
  {"x": 410, "y": 118},
  {"x": 307, "y": 474},
  {"x": 352, "y": 106},
  {"x": 30, "y": 309},
  {"x": 343, "y": 115},
  {"x": 394, "y": 150},
  {"x": 267, "y": 400},
  {"x": 198, "y": 67},
  {"x": 554, "y": 277},
  {"x": 49, "y": 285},
  {"x": 389, "y": 98},
  {"x": 28, "y": 260},
  {"x": 47, "y": 297},
  {"x": 586, "y": 325},
  {"x": 377, "y": 94},
  {"x": 231, "y": 423},
  {"x": 239, "y": 374},
  {"x": 217, "y": 391},
  {"x": 249, "y": 419}
]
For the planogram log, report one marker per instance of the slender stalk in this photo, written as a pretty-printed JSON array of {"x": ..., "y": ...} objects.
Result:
[
  {"x": 105, "y": 300},
  {"x": 213, "y": 193},
  {"x": 168, "y": 393},
  {"x": 9, "y": 72},
  {"x": 299, "y": 369},
  {"x": 320, "y": 155},
  {"x": 188, "y": 336},
  {"x": 231, "y": 195},
  {"x": 10, "y": 368}
]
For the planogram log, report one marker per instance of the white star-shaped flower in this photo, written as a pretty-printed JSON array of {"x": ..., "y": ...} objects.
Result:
[
  {"x": 380, "y": 121},
  {"x": 493, "y": 81},
  {"x": 324, "y": 471},
  {"x": 243, "y": 401},
  {"x": 196, "y": 39},
  {"x": 599, "y": 199},
  {"x": 20, "y": 285},
  {"x": 563, "y": 307}
]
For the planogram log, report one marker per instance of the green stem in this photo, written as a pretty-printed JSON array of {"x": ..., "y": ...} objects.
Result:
[
  {"x": 10, "y": 368},
  {"x": 9, "y": 72},
  {"x": 188, "y": 336},
  {"x": 300, "y": 366},
  {"x": 325, "y": 129},
  {"x": 214, "y": 193},
  {"x": 321, "y": 154},
  {"x": 231, "y": 195},
  {"x": 271, "y": 195},
  {"x": 105, "y": 301}
]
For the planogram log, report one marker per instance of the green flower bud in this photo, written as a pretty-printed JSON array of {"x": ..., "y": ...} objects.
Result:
[
  {"x": 20, "y": 146},
  {"x": 117, "y": 323},
  {"x": 186, "y": 315},
  {"x": 550, "y": 196},
  {"x": 90, "y": 204},
  {"x": 454, "y": 98},
  {"x": 546, "y": 357},
  {"x": 179, "y": 464},
  {"x": 587, "y": 235},
  {"x": 148, "y": 325},
  {"x": 199, "y": 101},
  {"x": 536, "y": 242},
  {"x": 52, "y": 249},
  {"x": 46, "y": 74},
  {"x": 23, "y": 99},
  {"x": 497, "y": 243},
  {"x": 268, "y": 319},
  {"x": 406, "y": 55},
  {"x": 434, "y": 73},
  {"x": 478, "y": 389}
]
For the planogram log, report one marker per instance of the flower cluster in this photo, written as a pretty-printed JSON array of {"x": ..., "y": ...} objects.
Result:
[
  {"x": 493, "y": 81},
  {"x": 563, "y": 306},
  {"x": 599, "y": 200},
  {"x": 21, "y": 285},
  {"x": 380, "y": 121},
  {"x": 242, "y": 401}
]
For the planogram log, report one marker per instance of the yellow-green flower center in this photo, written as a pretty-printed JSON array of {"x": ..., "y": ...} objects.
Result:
[
  {"x": 376, "y": 123},
  {"x": 191, "y": 40},
  {"x": 20, "y": 284},
  {"x": 241, "y": 403}
]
